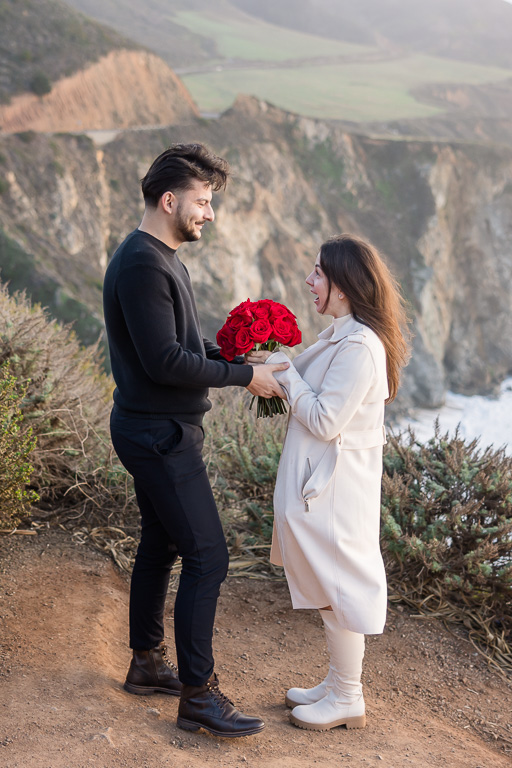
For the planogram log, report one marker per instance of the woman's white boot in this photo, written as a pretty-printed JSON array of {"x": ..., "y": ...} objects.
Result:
[
  {"x": 343, "y": 703},
  {"x": 296, "y": 696}
]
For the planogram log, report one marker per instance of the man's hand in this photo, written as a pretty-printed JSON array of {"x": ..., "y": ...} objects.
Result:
[{"x": 263, "y": 382}]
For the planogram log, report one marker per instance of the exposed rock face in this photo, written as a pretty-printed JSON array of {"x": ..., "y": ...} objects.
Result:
[
  {"x": 54, "y": 225},
  {"x": 440, "y": 213},
  {"x": 474, "y": 113},
  {"x": 465, "y": 287},
  {"x": 123, "y": 89}
]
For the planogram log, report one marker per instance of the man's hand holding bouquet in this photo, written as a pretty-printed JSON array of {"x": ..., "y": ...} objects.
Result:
[{"x": 263, "y": 325}]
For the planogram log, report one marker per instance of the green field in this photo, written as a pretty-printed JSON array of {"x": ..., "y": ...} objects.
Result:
[
  {"x": 353, "y": 91},
  {"x": 242, "y": 37},
  {"x": 209, "y": 46}
]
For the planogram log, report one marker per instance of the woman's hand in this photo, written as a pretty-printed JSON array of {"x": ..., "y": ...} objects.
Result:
[{"x": 257, "y": 358}]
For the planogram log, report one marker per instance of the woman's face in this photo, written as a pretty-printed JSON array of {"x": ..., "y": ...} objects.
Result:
[{"x": 319, "y": 286}]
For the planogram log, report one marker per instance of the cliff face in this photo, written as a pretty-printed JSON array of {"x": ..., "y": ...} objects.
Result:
[
  {"x": 54, "y": 223},
  {"x": 123, "y": 89},
  {"x": 440, "y": 213}
]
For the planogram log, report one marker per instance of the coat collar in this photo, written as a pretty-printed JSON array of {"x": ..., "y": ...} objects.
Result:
[{"x": 342, "y": 327}]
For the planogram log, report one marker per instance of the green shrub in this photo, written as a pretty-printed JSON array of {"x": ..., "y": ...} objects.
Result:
[
  {"x": 67, "y": 396},
  {"x": 40, "y": 84},
  {"x": 27, "y": 137},
  {"x": 447, "y": 532},
  {"x": 16, "y": 446},
  {"x": 65, "y": 402}
]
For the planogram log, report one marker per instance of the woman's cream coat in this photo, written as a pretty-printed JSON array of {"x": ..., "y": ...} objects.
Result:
[{"x": 327, "y": 495}]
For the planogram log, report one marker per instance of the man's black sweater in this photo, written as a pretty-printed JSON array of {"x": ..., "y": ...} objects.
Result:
[{"x": 161, "y": 364}]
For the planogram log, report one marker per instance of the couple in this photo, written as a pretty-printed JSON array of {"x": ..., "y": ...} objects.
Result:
[{"x": 327, "y": 499}]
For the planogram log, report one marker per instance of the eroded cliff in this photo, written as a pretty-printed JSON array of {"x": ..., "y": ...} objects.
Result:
[
  {"x": 440, "y": 213},
  {"x": 121, "y": 90}
]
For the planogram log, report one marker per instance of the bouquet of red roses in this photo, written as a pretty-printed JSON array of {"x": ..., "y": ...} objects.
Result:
[{"x": 263, "y": 324}]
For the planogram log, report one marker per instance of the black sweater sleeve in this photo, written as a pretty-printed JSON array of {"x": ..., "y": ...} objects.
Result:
[{"x": 148, "y": 308}]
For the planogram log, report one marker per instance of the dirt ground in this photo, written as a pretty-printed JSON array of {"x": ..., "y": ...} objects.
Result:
[{"x": 431, "y": 701}]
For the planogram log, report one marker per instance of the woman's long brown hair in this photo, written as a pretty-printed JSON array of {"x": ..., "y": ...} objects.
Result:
[{"x": 356, "y": 268}]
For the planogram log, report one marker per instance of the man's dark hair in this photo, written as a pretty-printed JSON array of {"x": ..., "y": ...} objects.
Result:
[{"x": 176, "y": 168}]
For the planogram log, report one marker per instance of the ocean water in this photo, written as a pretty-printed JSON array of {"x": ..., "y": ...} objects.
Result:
[{"x": 487, "y": 418}]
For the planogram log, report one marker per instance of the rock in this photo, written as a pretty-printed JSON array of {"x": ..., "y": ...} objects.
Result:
[{"x": 106, "y": 736}]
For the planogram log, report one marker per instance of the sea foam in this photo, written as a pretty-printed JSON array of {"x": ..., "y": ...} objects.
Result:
[{"x": 487, "y": 418}]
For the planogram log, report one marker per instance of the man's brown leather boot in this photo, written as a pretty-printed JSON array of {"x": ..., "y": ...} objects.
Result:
[
  {"x": 205, "y": 706},
  {"x": 150, "y": 672}
]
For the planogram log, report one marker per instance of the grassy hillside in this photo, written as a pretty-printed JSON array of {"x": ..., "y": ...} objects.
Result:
[
  {"x": 151, "y": 24},
  {"x": 244, "y": 37},
  {"x": 327, "y": 59},
  {"x": 467, "y": 30},
  {"x": 44, "y": 40},
  {"x": 359, "y": 92}
]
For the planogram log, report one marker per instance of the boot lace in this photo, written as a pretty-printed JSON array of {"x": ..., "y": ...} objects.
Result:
[
  {"x": 217, "y": 694},
  {"x": 170, "y": 664}
]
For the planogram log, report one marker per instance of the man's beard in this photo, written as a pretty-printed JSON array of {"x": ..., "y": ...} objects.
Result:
[{"x": 185, "y": 228}]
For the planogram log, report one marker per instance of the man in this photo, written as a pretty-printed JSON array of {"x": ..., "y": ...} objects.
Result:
[{"x": 162, "y": 368}]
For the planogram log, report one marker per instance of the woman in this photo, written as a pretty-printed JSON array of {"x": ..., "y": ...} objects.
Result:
[{"x": 327, "y": 495}]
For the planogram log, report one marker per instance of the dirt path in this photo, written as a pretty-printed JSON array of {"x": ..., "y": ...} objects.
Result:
[{"x": 63, "y": 656}]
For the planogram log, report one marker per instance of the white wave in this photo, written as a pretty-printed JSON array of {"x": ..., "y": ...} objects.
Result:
[{"x": 487, "y": 418}]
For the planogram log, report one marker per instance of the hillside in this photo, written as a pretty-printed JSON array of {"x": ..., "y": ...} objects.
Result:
[
  {"x": 431, "y": 699},
  {"x": 121, "y": 90},
  {"x": 475, "y": 113},
  {"x": 440, "y": 212},
  {"x": 369, "y": 63},
  {"x": 153, "y": 26},
  {"x": 466, "y": 30},
  {"x": 42, "y": 41},
  {"x": 76, "y": 75}
]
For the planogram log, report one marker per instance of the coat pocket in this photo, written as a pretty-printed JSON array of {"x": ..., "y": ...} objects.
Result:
[
  {"x": 306, "y": 475},
  {"x": 321, "y": 476},
  {"x": 307, "y": 472}
]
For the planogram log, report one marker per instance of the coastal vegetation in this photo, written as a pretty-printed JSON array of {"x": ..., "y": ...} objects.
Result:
[{"x": 446, "y": 504}]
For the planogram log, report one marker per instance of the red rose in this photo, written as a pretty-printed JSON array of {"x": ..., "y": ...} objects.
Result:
[
  {"x": 239, "y": 319},
  {"x": 226, "y": 342},
  {"x": 261, "y": 309},
  {"x": 284, "y": 330},
  {"x": 297, "y": 337},
  {"x": 279, "y": 310},
  {"x": 243, "y": 307},
  {"x": 244, "y": 341},
  {"x": 261, "y": 330}
]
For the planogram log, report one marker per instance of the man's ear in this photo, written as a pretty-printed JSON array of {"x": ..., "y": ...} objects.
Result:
[{"x": 168, "y": 202}]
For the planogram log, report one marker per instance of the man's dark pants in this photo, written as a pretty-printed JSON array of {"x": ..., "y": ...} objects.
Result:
[{"x": 178, "y": 517}]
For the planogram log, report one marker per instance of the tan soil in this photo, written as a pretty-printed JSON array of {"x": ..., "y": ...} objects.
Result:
[
  {"x": 123, "y": 89},
  {"x": 63, "y": 656}
]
